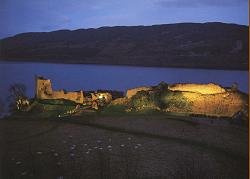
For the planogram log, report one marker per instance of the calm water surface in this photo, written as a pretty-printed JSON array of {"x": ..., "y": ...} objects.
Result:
[{"x": 93, "y": 77}]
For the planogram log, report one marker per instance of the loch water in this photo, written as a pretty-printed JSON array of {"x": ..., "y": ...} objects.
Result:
[{"x": 92, "y": 77}]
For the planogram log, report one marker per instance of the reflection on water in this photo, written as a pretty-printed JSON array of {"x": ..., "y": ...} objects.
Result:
[{"x": 93, "y": 77}]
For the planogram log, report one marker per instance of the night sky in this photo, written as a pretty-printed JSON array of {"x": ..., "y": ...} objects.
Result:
[{"x": 17, "y": 16}]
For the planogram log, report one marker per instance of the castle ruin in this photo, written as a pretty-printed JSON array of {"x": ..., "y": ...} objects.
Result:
[
  {"x": 203, "y": 99},
  {"x": 44, "y": 91}
]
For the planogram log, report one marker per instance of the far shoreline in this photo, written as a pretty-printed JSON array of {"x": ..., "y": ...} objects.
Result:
[{"x": 125, "y": 65}]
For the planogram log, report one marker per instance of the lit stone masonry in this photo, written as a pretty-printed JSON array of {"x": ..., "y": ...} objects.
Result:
[
  {"x": 132, "y": 92},
  {"x": 196, "y": 99},
  {"x": 214, "y": 104},
  {"x": 209, "y": 99},
  {"x": 106, "y": 96},
  {"x": 210, "y": 88},
  {"x": 44, "y": 91}
]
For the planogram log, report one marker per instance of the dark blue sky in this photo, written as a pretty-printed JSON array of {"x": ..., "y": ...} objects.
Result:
[{"x": 17, "y": 16}]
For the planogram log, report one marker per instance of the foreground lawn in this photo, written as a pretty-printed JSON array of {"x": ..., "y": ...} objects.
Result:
[{"x": 122, "y": 146}]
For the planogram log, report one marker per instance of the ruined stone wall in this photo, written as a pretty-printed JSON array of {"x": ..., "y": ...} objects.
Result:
[
  {"x": 132, "y": 92},
  {"x": 106, "y": 96},
  {"x": 44, "y": 91},
  {"x": 120, "y": 101},
  {"x": 204, "y": 99},
  {"x": 210, "y": 99},
  {"x": 198, "y": 88},
  {"x": 221, "y": 104},
  {"x": 73, "y": 96}
]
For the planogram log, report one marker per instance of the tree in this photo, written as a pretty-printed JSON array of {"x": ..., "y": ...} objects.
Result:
[
  {"x": 1, "y": 106},
  {"x": 17, "y": 97}
]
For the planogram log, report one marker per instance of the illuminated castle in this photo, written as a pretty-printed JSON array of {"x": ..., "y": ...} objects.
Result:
[
  {"x": 205, "y": 99},
  {"x": 44, "y": 91}
]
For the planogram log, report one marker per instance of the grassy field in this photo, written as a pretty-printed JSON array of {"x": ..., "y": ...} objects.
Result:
[{"x": 102, "y": 145}]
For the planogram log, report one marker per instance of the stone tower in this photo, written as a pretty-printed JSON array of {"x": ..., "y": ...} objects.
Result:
[{"x": 43, "y": 87}]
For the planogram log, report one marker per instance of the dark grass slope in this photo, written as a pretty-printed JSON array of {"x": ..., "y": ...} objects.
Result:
[{"x": 195, "y": 45}]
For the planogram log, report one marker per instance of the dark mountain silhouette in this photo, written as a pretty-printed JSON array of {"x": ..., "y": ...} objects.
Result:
[{"x": 195, "y": 45}]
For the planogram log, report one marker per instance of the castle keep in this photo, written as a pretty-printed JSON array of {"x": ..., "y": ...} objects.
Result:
[{"x": 44, "y": 91}]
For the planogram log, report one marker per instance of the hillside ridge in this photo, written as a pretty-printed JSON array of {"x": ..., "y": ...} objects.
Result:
[{"x": 191, "y": 45}]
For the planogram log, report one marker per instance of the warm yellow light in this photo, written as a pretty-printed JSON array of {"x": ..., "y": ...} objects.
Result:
[
  {"x": 198, "y": 88},
  {"x": 100, "y": 97}
]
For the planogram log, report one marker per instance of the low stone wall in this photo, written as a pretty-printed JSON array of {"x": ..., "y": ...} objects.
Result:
[
  {"x": 120, "y": 101},
  {"x": 202, "y": 99},
  {"x": 221, "y": 105},
  {"x": 72, "y": 96},
  {"x": 132, "y": 92},
  {"x": 210, "y": 88}
]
